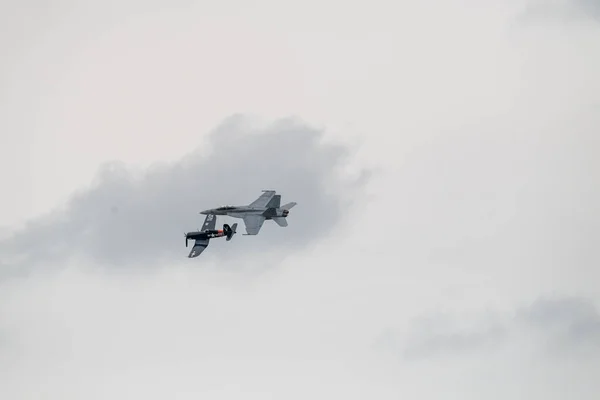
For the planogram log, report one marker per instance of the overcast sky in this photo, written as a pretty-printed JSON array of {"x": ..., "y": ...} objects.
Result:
[{"x": 443, "y": 155}]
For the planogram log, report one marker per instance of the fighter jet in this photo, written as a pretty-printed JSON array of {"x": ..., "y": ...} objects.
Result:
[
  {"x": 203, "y": 237},
  {"x": 266, "y": 206}
]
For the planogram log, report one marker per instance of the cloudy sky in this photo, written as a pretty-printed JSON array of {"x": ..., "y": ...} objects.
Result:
[{"x": 443, "y": 155}]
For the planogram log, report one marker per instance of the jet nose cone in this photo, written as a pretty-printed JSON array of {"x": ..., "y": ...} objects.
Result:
[{"x": 205, "y": 212}]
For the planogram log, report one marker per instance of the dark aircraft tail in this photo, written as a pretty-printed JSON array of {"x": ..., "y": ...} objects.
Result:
[{"x": 229, "y": 230}]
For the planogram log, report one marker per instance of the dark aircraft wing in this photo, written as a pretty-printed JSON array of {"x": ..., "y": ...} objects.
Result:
[
  {"x": 199, "y": 246},
  {"x": 209, "y": 222},
  {"x": 253, "y": 223},
  {"x": 263, "y": 199}
]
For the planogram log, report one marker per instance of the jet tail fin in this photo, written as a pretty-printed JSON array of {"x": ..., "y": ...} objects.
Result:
[
  {"x": 288, "y": 205},
  {"x": 274, "y": 202}
]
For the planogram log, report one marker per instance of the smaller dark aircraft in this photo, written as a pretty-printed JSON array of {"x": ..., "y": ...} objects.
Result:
[{"x": 202, "y": 237}]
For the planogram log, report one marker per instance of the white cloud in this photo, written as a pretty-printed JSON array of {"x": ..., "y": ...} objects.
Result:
[{"x": 483, "y": 126}]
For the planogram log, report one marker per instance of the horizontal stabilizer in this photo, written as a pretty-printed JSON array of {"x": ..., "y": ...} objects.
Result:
[{"x": 281, "y": 221}]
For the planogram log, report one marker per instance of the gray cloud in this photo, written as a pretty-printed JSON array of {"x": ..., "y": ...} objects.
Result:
[
  {"x": 560, "y": 326},
  {"x": 452, "y": 342},
  {"x": 569, "y": 323},
  {"x": 590, "y": 7},
  {"x": 439, "y": 335},
  {"x": 131, "y": 216},
  {"x": 566, "y": 11}
]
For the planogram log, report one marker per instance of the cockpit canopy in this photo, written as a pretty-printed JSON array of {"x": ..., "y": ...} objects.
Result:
[{"x": 223, "y": 208}]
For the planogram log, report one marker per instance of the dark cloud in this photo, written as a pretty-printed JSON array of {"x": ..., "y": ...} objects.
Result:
[
  {"x": 570, "y": 323},
  {"x": 562, "y": 326},
  {"x": 129, "y": 217},
  {"x": 460, "y": 341},
  {"x": 590, "y": 7},
  {"x": 566, "y": 11},
  {"x": 436, "y": 336}
]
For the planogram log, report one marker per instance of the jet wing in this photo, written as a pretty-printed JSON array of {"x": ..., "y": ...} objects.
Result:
[
  {"x": 253, "y": 223},
  {"x": 263, "y": 199},
  {"x": 209, "y": 222},
  {"x": 199, "y": 246}
]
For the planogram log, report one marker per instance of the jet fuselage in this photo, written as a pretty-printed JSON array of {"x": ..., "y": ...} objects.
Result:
[
  {"x": 242, "y": 211},
  {"x": 265, "y": 207}
]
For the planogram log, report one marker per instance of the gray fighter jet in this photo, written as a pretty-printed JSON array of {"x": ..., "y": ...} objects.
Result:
[
  {"x": 254, "y": 214},
  {"x": 202, "y": 237}
]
